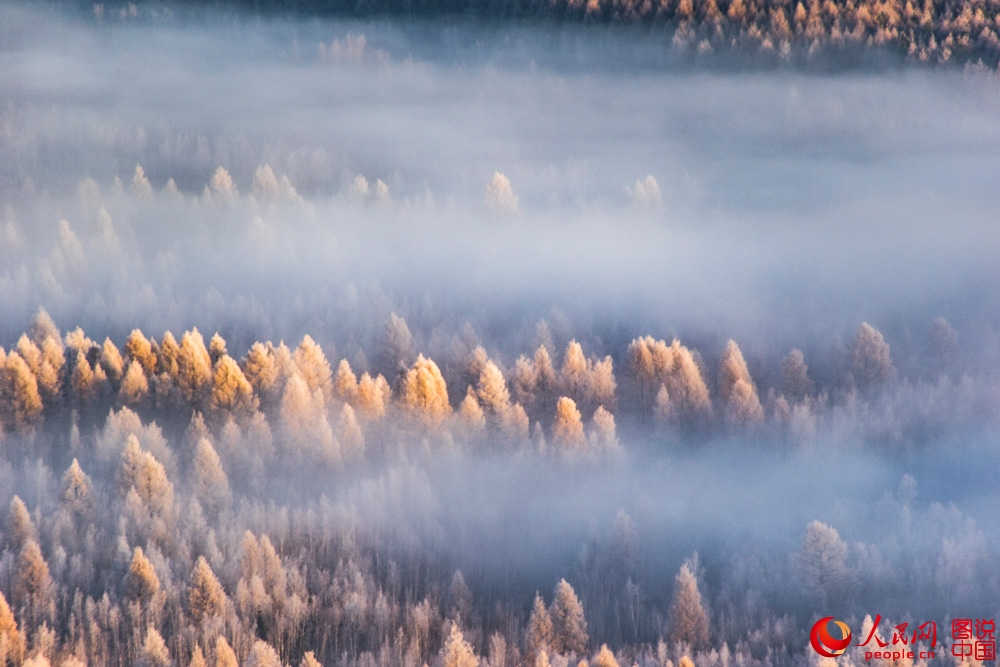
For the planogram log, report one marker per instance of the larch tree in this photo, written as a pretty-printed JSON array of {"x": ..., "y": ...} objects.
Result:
[
  {"x": 154, "y": 650},
  {"x": 224, "y": 654},
  {"x": 424, "y": 392},
  {"x": 349, "y": 434},
  {"x": 50, "y": 372},
  {"x": 211, "y": 485},
  {"x": 134, "y": 385},
  {"x": 82, "y": 380},
  {"x": 141, "y": 186},
  {"x": 140, "y": 581},
  {"x": 194, "y": 367},
  {"x": 314, "y": 367},
  {"x": 492, "y": 391},
  {"x": 345, "y": 382},
  {"x": 569, "y": 625},
  {"x": 19, "y": 389},
  {"x": 216, "y": 347},
  {"x": 736, "y": 388},
  {"x": 567, "y": 429},
  {"x": 523, "y": 381},
  {"x": 871, "y": 360},
  {"x": 231, "y": 393},
  {"x": 263, "y": 654},
  {"x": 138, "y": 347},
  {"x": 456, "y": 652},
  {"x": 43, "y": 327},
  {"x": 822, "y": 562},
  {"x": 604, "y": 658},
  {"x": 663, "y": 409},
  {"x": 575, "y": 372},
  {"x": 539, "y": 635},
  {"x": 470, "y": 414},
  {"x": 221, "y": 186},
  {"x": 20, "y": 527},
  {"x": 688, "y": 619},
  {"x": 76, "y": 493},
  {"x": 309, "y": 660},
  {"x": 111, "y": 360},
  {"x": 500, "y": 196},
  {"x": 795, "y": 382},
  {"x": 12, "y": 643},
  {"x": 373, "y": 396},
  {"x": 397, "y": 344},
  {"x": 515, "y": 423},
  {"x": 602, "y": 430},
  {"x": 205, "y": 596},
  {"x": 33, "y": 589},
  {"x": 139, "y": 470},
  {"x": 197, "y": 657},
  {"x": 262, "y": 372},
  {"x": 602, "y": 382}
]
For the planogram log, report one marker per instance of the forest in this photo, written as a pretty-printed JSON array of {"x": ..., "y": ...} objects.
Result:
[{"x": 372, "y": 341}]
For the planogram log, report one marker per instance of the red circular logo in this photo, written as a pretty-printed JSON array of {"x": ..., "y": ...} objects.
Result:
[{"x": 830, "y": 644}]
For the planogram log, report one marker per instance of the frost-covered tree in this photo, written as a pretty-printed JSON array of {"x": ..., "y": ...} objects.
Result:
[
  {"x": 76, "y": 493},
  {"x": 604, "y": 658},
  {"x": 349, "y": 434},
  {"x": 205, "y": 596},
  {"x": 345, "y": 382},
  {"x": 470, "y": 413},
  {"x": 871, "y": 361},
  {"x": 575, "y": 371},
  {"x": 21, "y": 400},
  {"x": 822, "y": 561},
  {"x": 795, "y": 382},
  {"x": 134, "y": 385},
  {"x": 397, "y": 344},
  {"x": 653, "y": 363},
  {"x": 736, "y": 388},
  {"x": 373, "y": 396},
  {"x": 538, "y": 637},
  {"x": 20, "y": 527},
  {"x": 141, "y": 582},
  {"x": 492, "y": 391},
  {"x": 138, "y": 347},
  {"x": 261, "y": 370},
  {"x": 688, "y": 618},
  {"x": 424, "y": 392},
  {"x": 194, "y": 367},
  {"x": 211, "y": 485},
  {"x": 224, "y": 654},
  {"x": 33, "y": 588},
  {"x": 603, "y": 434},
  {"x": 111, "y": 360},
  {"x": 314, "y": 367},
  {"x": 231, "y": 393},
  {"x": 154, "y": 650},
  {"x": 569, "y": 625},
  {"x": 500, "y": 195},
  {"x": 263, "y": 654},
  {"x": 12, "y": 642},
  {"x": 456, "y": 652},
  {"x": 139, "y": 470},
  {"x": 567, "y": 429}
]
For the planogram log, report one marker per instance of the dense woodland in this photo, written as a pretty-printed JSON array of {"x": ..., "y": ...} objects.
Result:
[
  {"x": 150, "y": 520},
  {"x": 761, "y": 32}
]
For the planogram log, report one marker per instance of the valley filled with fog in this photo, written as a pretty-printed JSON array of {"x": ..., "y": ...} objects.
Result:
[{"x": 457, "y": 341}]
